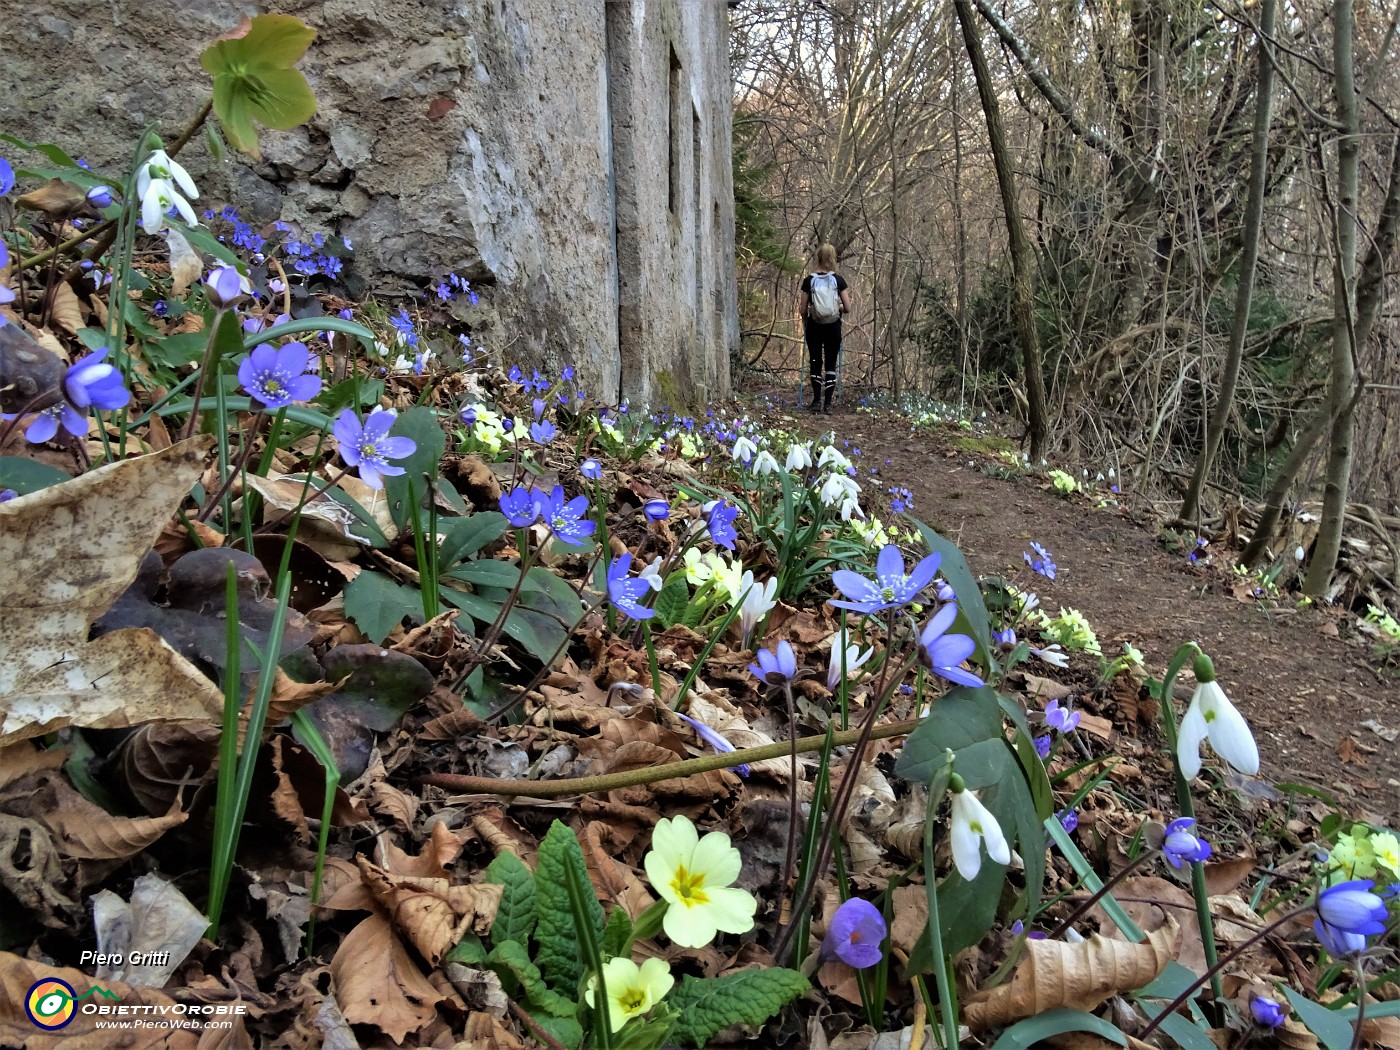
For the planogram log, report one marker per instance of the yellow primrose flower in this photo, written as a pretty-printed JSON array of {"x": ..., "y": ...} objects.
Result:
[
  {"x": 693, "y": 876},
  {"x": 632, "y": 989},
  {"x": 729, "y": 575},
  {"x": 1386, "y": 848}
]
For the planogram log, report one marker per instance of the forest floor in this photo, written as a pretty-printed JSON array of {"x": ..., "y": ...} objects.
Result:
[{"x": 1310, "y": 694}]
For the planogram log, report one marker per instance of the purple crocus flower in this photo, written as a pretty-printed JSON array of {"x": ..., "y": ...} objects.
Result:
[
  {"x": 943, "y": 651},
  {"x": 277, "y": 376},
  {"x": 857, "y": 930},
  {"x": 716, "y": 741},
  {"x": 521, "y": 506},
  {"x": 1061, "y": 718},
  {"x": 775, "y": 669},
  {"x": 656, "y": 509},
  {"x": 567, "y": 519},
  {"x": 1069, "y": 819},
  {"x": 625, "y": 592},
  {"x": 720, "y": 521},
  {"x": 368, "y": 446},
  {"x": 890, "y": 589},
  {"x": 1181, "y": 847},
  {"x": 1267, "y": 1012},
  {"x": 591, "y": 469}
]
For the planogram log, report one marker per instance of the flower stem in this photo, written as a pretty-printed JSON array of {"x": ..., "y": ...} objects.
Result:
[
  {"x": 1357, "y": 1039},
  {"x": 1102, "y": 891},
  {"x": 790, "y": 857},
  {"x": 653, "y": 774},
  {"x": 1213, "y": 973}
]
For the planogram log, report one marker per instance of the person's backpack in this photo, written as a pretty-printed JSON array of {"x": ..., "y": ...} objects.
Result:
[{"x": 824, "y": 299}]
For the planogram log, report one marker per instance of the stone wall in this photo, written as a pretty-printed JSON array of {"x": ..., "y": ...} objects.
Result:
[{"x": 570, "y": 157}]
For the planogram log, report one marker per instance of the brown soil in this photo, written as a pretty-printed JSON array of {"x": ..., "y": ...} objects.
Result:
[{"x": 1304, "y": 689}]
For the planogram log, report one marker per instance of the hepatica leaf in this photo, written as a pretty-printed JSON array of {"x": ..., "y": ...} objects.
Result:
[{"x": 254, "y": 78}]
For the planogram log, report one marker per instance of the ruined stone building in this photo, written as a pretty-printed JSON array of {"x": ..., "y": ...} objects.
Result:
[{"x": 570, "y": 157}]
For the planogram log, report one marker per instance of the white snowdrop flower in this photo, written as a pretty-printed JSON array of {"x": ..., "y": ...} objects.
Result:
[
  {"x": 744, "y": 449},
  {"x": 1211, "y": 716},
  {"x": 765, "y": 463},
  {"x": 799, "y": 458},
  {"x": 652, "y": 574},
  {"x": 973, "y": 824},
  {"x": 1299, "y": 554}
]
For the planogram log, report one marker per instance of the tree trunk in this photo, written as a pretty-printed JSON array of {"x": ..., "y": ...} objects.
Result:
[
  {"x": 1218, "y": 420},
  {"x": 1342, "y": 379},
  {"x": 1022, "y": 263}
]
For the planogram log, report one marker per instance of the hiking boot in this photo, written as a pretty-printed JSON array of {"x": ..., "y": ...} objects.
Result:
[
  {"x": 826, "y": 409},
  {"x": 815, "y": 406}
]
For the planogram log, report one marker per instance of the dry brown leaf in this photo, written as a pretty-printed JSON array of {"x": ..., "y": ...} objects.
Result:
[
  {"x": 57, "y": 198},
  {"x": 485, "y": 1032},
  {"x": 399, "y": 807},
  {"x": 1080, "y": 976},
  {"x": 70, "y": 551},
  {"x": 20, "y": 759},
  {"x": 158, "y": 925},
  {"x": 79, "y": 828},
  {"x": 378, "y": 983},
  {"x": 910, "y": 917},
  {"x": 159, "y": 759},
  {"x": 1224, "y": 876},
  {"x": 67, "y": 312},
  {"x": 1150, "y": 901},
  {"x": 185, "y": 263},
  {"x": 18, "y": 975},
  {"x": 288, "y": 697},
  {"x": 432, "y": 913}
]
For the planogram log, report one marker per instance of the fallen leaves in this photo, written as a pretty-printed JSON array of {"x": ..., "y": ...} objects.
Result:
[
  {"x": 1079, "y": 976},
  {"x": 70, "y": 551}
]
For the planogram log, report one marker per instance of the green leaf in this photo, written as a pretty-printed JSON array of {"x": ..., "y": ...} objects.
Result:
[
  {"x": 1028, "y": 1033},
  {"x": 311, "y": 324},
  {"x": 673, "y": 600},
  {"x": 565, "y": 1030},
  {"x": 646, "y": 1033},
  {"x": 466, "y": 536},
  {"x": 617, "y": 931},
  {"x": 420, "y": 424},
  {"x": 515, "y": 917},
  {"x": 253, "y": 78},
  {"x": 377, "y": 604},
  {"x": 511, "y": 958},
  {"x": 708, "y": 1004},
  {"x": 469, "y": 951},
  {"x": 971, "y": 610},
  {"x": 962, "y": 717},
  {"x": 28, "y": 475},
  {"x": 1186, "y": 1035},
  {"x": 556, "y": 931},
  {"x": 48, "y": 149},
  {"x": 487, "y": 573},
  {"x": 540, "y": 635},
  {"x": 1335, "y": 1033}
]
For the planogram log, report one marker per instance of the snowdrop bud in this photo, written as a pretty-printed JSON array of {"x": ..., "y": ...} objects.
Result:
[{"x": 1299, "y": 554}]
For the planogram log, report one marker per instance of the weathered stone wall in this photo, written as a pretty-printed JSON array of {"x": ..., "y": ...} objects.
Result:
[{"x": 571, "y": 157}]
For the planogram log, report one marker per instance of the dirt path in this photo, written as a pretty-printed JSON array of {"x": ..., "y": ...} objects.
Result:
[{"x": 1304, "y": 691}]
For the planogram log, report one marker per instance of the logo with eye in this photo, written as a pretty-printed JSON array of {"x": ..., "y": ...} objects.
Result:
[{"x": 50, "y": 1003}]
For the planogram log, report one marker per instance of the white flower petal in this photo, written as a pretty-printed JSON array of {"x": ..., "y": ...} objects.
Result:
[
  {"x": 967, "y": 849},
  {"x": 1230, "y": 736},
  {"x": 1189, "y": 738}
]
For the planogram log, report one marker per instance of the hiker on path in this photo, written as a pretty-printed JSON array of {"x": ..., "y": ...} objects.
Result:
[{"x": 825, "y": 297}]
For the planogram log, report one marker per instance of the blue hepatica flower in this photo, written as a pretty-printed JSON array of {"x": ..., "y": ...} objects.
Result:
[
  {"x": 1267, "y": 1012},
  {"x": 566, "y": 519},
  {"x": 890, "y": 589},
  {"x": 403, "y": 324},
  {"x": 1068, "y": 818},
  {"x": 1061, "y": 718},
  {"x": 857, "y": 930},
  {"x": 543, "y": 431},
  {"x": 277, "y": 376},
  {"x": 6, "y": 295},
  {"x": 625, "y": 592},
  {"x": 775, "y": 668},
  {"x": 89, "y": 383},
  {"x": 368, "y": 446},
  {"x": 521, "y": 506},
  {"x": 944, "y": 652},
  {"x": 568, "y": 374},
  {"x": 1181, "y": 847},
  {"x": 591, "y": 469},
  {"x": 656, "y": 509},
  {"x": 720, "y": 522},
  {"x": 1041, "y": 562},
  {"x": 1006, "y": 638},
  {"x": 1042, "y": 746},
  {"x": 1349, "y": 912},
  {"x": 7, "y": 494},
  {"x": 7, "y": 177},
  {"x": 716, "y": 741}
]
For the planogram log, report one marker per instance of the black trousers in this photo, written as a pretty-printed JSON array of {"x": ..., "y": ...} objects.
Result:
[{"x": 823, "y": 345}]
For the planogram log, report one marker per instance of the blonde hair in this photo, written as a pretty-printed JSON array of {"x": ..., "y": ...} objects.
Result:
[{"x": 826, "y": 258}]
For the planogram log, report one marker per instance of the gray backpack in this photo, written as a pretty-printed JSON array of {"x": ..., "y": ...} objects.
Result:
[{"x": 824, "y": 299}]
